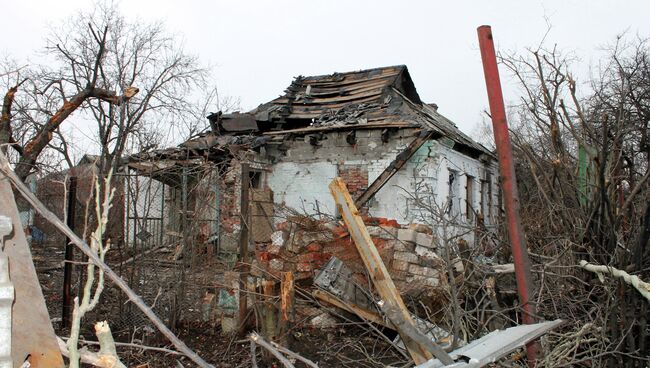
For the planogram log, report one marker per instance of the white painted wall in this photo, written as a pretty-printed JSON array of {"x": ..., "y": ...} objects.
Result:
[
  {"x": 300, "y": 178},
  {"x": 301, "y": 185}
]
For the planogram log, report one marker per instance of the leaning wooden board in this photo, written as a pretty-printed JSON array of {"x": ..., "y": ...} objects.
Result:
[
  {"x": 375, "y": 266},
  {"x": 32, "y": 337}
]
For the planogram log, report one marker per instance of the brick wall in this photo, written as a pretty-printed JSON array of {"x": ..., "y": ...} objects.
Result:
[{"x": 304, "y": 246}]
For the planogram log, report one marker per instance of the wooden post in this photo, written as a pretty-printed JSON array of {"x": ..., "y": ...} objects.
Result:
[
  {"x": 376, "y": 268},
  {"x": 244, "y": 237},
  {"x": 69, "y": 255},
  {"x": 286, "y": 305},
  {"x": 269, "y": 315}
]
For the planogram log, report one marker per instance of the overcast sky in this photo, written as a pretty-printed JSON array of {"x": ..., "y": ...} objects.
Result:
[{"x": 257, "y": 47}]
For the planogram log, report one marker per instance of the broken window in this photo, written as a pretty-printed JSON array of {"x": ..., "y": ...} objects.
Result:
[
  {"x": 452, "y": 204},
  {"x": 469, "y": 197},
  {"x": 486, "y": 198},
  {"x": 255, "y": 178}
]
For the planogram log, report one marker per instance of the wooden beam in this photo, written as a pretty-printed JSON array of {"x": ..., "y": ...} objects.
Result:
[
  {"x": 365, "y": 314},
  {"x": 393, "y": 168},
  {"x": 376, "y": 268}
]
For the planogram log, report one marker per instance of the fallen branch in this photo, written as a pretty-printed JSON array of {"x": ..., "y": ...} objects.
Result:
[
  {"x": 5, "y": 168},
  {"x": 130, "y": 345},
  {"x": 107, "y": 355},
  {"x": 86, "y": 357},
  {"x": 294, "y": 355},
  {"x": 635, "y": 281},
  {"x": 257, "y": 339}
]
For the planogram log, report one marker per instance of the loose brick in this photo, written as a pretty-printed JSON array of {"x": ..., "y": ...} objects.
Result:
[
  {"x": 314, "y": 247},
  {"x": 398, "y": 265},
  {"x": 403, "y": 246},
  {"x": 382, "y": 232},
  {"x": 426, "y": 253},
  {"x": 274, "y": 249},
  {"x": 420, "y": 228},
  {"x": 276, "y": 264},
  {"x": 424, "y": 240},
  {"x": 426, "y": 281},
  {"x": 406, "y": 257},
  {"x": 304, "y": 267},
  {"x": 422, "y": 271},
  {"x": 278, "y": 238},
  {"x": 406, "y": 235}
]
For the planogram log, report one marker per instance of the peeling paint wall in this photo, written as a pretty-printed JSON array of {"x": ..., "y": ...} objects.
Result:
[{"x": 300, "y": 177}]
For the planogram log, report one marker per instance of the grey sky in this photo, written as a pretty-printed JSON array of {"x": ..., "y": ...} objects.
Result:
[{"x": 257, "y": 47}]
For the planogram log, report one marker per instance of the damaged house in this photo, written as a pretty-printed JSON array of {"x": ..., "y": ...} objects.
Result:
[{"x": 411, "y": 171}]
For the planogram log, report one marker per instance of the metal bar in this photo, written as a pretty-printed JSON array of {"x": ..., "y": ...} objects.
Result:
[
  {"x": 393, "y": 168},
  {"x": 66, "y": 312},
  {"x": 508, "y": 183}
]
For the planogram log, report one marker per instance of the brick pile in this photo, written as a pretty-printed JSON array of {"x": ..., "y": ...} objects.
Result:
[{"x": 303, "y": 246}]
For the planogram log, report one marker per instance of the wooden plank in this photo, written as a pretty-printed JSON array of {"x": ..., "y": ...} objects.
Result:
[
  {"x": 336, "y": 90},
  {"x": 376, "y": 268},
  {"x": 393, "y": 168},
  {"x": 344, "y": 127}
]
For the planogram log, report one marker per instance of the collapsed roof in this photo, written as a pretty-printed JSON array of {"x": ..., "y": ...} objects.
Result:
[{"x": 380, "y": 98}]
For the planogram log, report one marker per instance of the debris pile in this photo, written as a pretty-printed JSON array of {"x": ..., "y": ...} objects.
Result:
[{"x": 303, "y": 246}]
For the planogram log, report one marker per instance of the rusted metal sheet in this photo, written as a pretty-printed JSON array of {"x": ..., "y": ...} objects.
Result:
[{"x": 33, "y": 337}]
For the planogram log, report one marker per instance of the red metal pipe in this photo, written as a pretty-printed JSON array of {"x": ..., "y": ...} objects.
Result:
[{"x": 508, "y": 183}]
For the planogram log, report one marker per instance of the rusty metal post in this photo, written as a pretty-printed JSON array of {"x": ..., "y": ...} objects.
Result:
[
  {"x": 69, "y": 255},
  {"x": 508, "y": 183}
]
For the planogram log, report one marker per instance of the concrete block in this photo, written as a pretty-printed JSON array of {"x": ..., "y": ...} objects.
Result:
[
  {"x": 278, "y": 238},
  {"x": 422, "y": 271},
  {"x": 404, "y": 246},
  {"x": 426, "y": 253},
  {"x": 407, "y": 235},
  {"x": 423, "y": 280},
  {"x": 229, "y": 325},
  {"x": 405, "y": 257},
  {"x": 424, "y": 240},
  {"x": 382, "y": 232}
]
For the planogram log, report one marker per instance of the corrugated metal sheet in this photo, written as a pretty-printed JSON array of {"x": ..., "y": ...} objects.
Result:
[{"x": 494, "y": 346}]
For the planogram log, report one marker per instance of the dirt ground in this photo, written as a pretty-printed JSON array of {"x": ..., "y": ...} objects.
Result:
[{"x": 159, "y": 280}]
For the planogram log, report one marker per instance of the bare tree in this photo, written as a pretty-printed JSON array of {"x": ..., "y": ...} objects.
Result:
[{"x": 583, "y": 168}]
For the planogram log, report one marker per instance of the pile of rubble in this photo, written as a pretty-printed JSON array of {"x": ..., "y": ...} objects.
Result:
[{"x": 303, "y": 246}]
